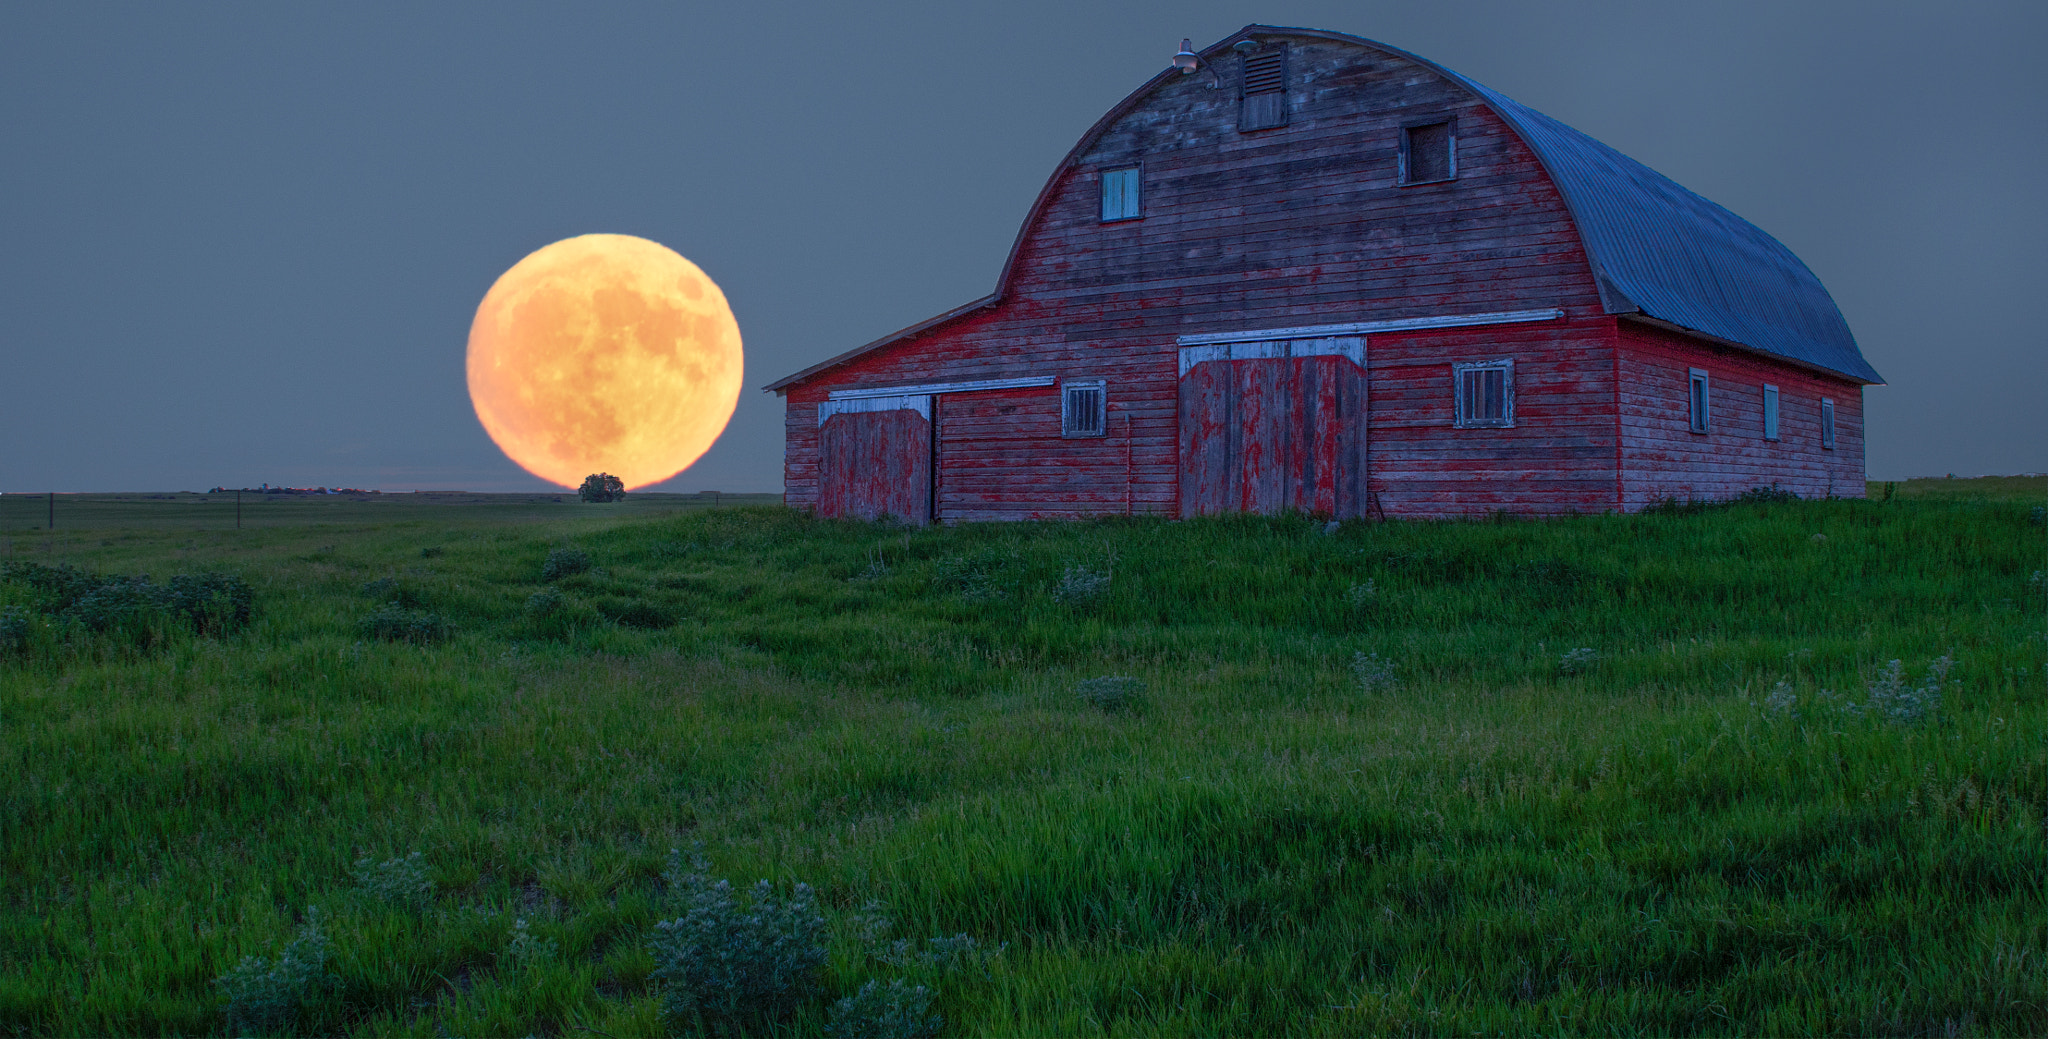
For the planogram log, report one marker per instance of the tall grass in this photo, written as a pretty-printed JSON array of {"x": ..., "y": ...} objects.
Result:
[{"x": 1682, "y": 830}]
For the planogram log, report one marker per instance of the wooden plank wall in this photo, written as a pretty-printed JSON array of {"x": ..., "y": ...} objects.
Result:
[
  {"x": 1662, "y": 458},
  {"x": 1298, "y": 225},
  {"x": 1558, "y": 457}
]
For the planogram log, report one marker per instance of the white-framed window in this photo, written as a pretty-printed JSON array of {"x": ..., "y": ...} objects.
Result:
[
  {"x": 1429, "y": 152},
  {"x": 1084, "y": 408},
  {"x": 1700, "y": 400},
  {"x": 1827, "y": 424},
  {"x": 1485, "y": 393},
  {"x": 1770, "y": 412},
  {"x": 1120, "y": 191}
]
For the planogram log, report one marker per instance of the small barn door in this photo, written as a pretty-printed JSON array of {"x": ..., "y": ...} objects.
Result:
[
  {"x": 1271, "y": 426},
  {"x": 875, "y": 458}
]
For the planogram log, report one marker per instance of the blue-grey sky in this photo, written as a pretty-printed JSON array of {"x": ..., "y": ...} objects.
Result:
[{"x": 242, "y": 243}]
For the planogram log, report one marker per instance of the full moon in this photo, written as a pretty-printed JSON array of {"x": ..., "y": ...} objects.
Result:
[{"x": 604, "y": 353}]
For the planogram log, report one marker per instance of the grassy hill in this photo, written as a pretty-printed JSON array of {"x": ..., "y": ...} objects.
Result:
[{"x": 1648, "y": 774}]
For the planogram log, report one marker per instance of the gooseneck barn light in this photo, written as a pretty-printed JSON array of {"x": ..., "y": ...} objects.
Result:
[{"x": 1187, "y": 61}]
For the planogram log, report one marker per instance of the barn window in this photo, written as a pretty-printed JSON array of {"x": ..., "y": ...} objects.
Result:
[
  {"x": 1429, "y": 152},
  {"x": 1263, "y": 102},
  {"x": 1827, "y": 424},
  {"x": 1485, "y": 393},
  {"x": 1700, "y": 401},
  {"x": 1770, "y": 412},
  {"x": 1120, "y": 194},
  {"x": 1082, "y": 408}
]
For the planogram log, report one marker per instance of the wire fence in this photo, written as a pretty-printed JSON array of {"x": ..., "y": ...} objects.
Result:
[{"x": 226, "y": 510}]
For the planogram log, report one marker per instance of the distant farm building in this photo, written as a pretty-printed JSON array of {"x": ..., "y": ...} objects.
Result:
[{"x": 1320, "y": 273}]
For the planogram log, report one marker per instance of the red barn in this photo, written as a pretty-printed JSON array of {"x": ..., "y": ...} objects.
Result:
[{"x": 1303, "y": 270}]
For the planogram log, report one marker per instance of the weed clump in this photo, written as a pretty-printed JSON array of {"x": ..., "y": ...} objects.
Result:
[
  {"x": 525, "y": 951},
  {"x": 1113, "y": 694},
  {"x": 564, "y": 562},
  {"x": 1363, "y": 597},
  {"x": 1080, "y": 586},
  {"x": 733, "y": 962},
  {"x": 1892, "y": 700},
  {"x": 260, "y": 996},
  {"x": 1375, "y": 673},
  {"x": 395, "y": 623},
  {"x": 545, "y": 603},
  {"x": 1577, "y": 661},
  {"x": 893, "y": 1011},
  {"x": 399, "y": 881}
]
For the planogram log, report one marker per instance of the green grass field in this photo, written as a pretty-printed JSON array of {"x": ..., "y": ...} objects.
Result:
[{"x": 1600, "y": 775}]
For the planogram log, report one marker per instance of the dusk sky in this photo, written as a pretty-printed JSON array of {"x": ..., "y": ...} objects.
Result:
[{"x": 243, "y": 243}]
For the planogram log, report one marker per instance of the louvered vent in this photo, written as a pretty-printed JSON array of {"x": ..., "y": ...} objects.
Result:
[{"x": 1265, "y": 90}]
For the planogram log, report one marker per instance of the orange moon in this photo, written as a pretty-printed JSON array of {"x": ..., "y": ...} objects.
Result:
[{"x": 604, "y": 353}]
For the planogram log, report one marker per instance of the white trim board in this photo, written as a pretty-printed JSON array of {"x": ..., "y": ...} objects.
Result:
[
  {"x": 1359, "y": 328},
  {"x": 861, "y": 405},
  {"x": 1334, "y": 346},
  {"x": 1028, "y": 382}
]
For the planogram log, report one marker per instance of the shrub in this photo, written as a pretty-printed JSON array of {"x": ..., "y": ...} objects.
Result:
[
  {"x": 17, "y": 630},
  {"x": 1892, "y": 700},
  {"x": 545, "y": 603},
  {"x": 601, "y": 488},
  {"x": 1080, "y": 586},
  {"x": 395, "y": 623},
  {"x": 1577, "y": 661},
  {"x": 525, "y": 951},
  {"x": 733, "y": 962},
  {"x": 892, "y": 1011},
  {"x": 261, "y": 997},
  {"x": 58, "y": 586},
  {"x": 400, "y": 882},
  {"x": 128, "y": 609},
  {"x": 1363, "y": 596},
  {"x": 1113, "y": 694},
  {"x": 1375, "y": 673},
  {"x": 564, "y": 562},
  {"x": 215, "y": 603}
]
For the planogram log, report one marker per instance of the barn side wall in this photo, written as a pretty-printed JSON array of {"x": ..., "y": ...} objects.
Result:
[
  {"x": 1299, "y": 225},
  {"x": 1558, "y": 457},
  {"x": 1663, "y": 459}
]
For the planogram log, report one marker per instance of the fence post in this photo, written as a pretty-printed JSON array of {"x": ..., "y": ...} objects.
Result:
[{"x": 53, "y": 510}]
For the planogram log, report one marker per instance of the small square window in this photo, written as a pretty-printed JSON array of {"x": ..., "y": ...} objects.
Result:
[
  {"x": 1485, "y": 394},
  {"x": 1701, "y": 401},
  {"x": 1082, "y": 408},
  {"x": 1120, "y": 194},
  {"x": 1770, "y": 412},
  {"x": 1429, "y": 153},
  {"x": 1827, "y": 424}
]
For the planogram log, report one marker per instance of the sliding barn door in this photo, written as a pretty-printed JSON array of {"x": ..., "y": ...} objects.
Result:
[
  {"x": 1267, "y": 427},
  {"x": 875, "y": 458}
]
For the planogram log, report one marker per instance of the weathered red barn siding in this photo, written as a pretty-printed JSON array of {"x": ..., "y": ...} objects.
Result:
[
  {"x": 1298, "y": 225},
  {"x": 1662, "y": 458},
  {"x": 1558, "y": 457}
]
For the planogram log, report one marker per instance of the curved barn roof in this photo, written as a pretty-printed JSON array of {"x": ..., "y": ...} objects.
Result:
[{"x": 1657, "y": 250}]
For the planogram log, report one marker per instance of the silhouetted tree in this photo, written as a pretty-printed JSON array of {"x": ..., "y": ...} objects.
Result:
[{"x": 602, "y": 487}]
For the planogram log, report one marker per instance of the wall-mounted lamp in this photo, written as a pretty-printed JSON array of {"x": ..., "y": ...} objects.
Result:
[
  {"x": 1245, "y": 46},
  {"x": 1187, "y": 61}
]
